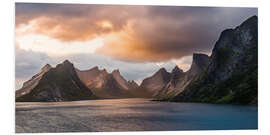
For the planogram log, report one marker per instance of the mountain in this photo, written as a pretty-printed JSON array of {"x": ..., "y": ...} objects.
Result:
[
  {"x": 120, "y": 80},
  {"x": 232, "y": 73},
  {"x": 156, "y": 82},
  {"x": 229, "y": 75},
  {"x": 179, "y": 79},
  {"x": 54, "y": 84},
  {"x": 33, "y": 82},
  {"x": 92, "y": 78},
  {"x": 199, "y": 63},
  {"x": 107, "y": 85},
  {"x": 175, "y": 76}
]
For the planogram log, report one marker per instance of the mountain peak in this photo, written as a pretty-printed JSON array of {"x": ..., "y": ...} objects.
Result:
[
  {"x": 157, "y": 81},
  {"x": 163, "y": 73},
  {"x": 67, "y": 62},
  {"x": 104, "y": 70},
  {"x": 199, "y": 62},
  {"x": 200, "y": 59},
  {"x": 250, "y": 21},
  {"x": 95, "y": 68},
  {"x": 176, "y": 69},
  {"x": 162, "y": 70},
  {"x": 132, "y": 84},
  {"x": 46, "y": 67},
  {"x": 131, "y": 81},
  {"x": 116, "y": 71},
  {"x": 198, "y": 56}
]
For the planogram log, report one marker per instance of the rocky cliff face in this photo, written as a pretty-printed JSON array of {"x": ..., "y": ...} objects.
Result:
[
  {"x": 175, "y": 77},
  {"x": 120, "y": 80},
  {"x": 33, "y": 82},
  {"x": 199, "y": 63},
  {"x": 179, "y": 79},
  {"x": 156, "y": 82},
  {"x": 92, "y": 78},
  {"x": 55, "y": 84},
  {"x": 231, "y": 76}
]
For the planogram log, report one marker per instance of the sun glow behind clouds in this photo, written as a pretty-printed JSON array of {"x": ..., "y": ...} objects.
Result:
[
  {"x": 51, "y": 46},
  {"x": 106, "y": 25}
]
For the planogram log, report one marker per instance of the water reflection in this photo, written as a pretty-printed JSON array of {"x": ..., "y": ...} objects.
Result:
[{"x": 131, "y": 115}]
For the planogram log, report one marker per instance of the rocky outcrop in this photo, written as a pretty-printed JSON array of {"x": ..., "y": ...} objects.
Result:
[
  {"x": 232, "y": 74},
  {"x": 54, "y": 84}
]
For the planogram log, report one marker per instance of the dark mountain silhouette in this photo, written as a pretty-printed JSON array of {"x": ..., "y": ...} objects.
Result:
[
  {"x": 55, "y": 84},
  {"x": 232, "y": 74}
]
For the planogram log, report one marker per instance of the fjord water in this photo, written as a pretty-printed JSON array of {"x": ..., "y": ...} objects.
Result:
[{"x": 131, "y": 115}]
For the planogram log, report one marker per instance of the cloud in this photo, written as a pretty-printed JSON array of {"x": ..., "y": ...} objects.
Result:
[
  {"x": 68, "y": 22},
  {"x": 135, "y": 39},
  {"x": 133, "y": 33},
  {"x": 173, "y": 32},
  {"x": 28, "y": 63},
  {"x": 53, "y": 47},
  {"x": 184, "y": 63}
]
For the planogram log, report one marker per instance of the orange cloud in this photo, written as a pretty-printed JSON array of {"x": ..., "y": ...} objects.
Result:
[
  {"x": 133, "y": 33},
  {"x": 70, "y": 30},
  {"x": 126, "y": 45},
  {"x": 105, "y": 24},
  {"x": 74, "y": 22}
]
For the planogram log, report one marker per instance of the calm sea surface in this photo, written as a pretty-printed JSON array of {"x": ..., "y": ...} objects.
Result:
[{"x": 131, "y": 115}]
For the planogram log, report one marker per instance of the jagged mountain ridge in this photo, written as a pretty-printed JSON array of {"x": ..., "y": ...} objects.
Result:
[
  {"x": 94, "y": 83},
  {"x": 55, "y": 84},
  {"x": 113, "y": 85},
  {"x": 92, "y": 78},
  {"x": 179, "y": 80},
  {"x": 228, "y": 76},
  {"x": 107, "y": 85}
]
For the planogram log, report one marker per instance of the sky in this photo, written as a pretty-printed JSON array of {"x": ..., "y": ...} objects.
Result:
[{"x": 137, "y": 40}]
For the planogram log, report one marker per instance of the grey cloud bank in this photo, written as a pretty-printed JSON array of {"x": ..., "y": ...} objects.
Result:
[{"x": 166, "y": 33}]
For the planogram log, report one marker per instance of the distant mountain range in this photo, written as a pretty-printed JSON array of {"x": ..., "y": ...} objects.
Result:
[
  {"x": 229, "y": 75},
  {"x": 107, "y": 85}
]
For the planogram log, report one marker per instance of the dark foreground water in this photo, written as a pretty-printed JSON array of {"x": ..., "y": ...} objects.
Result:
[{"x": 131, "y": 115}]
